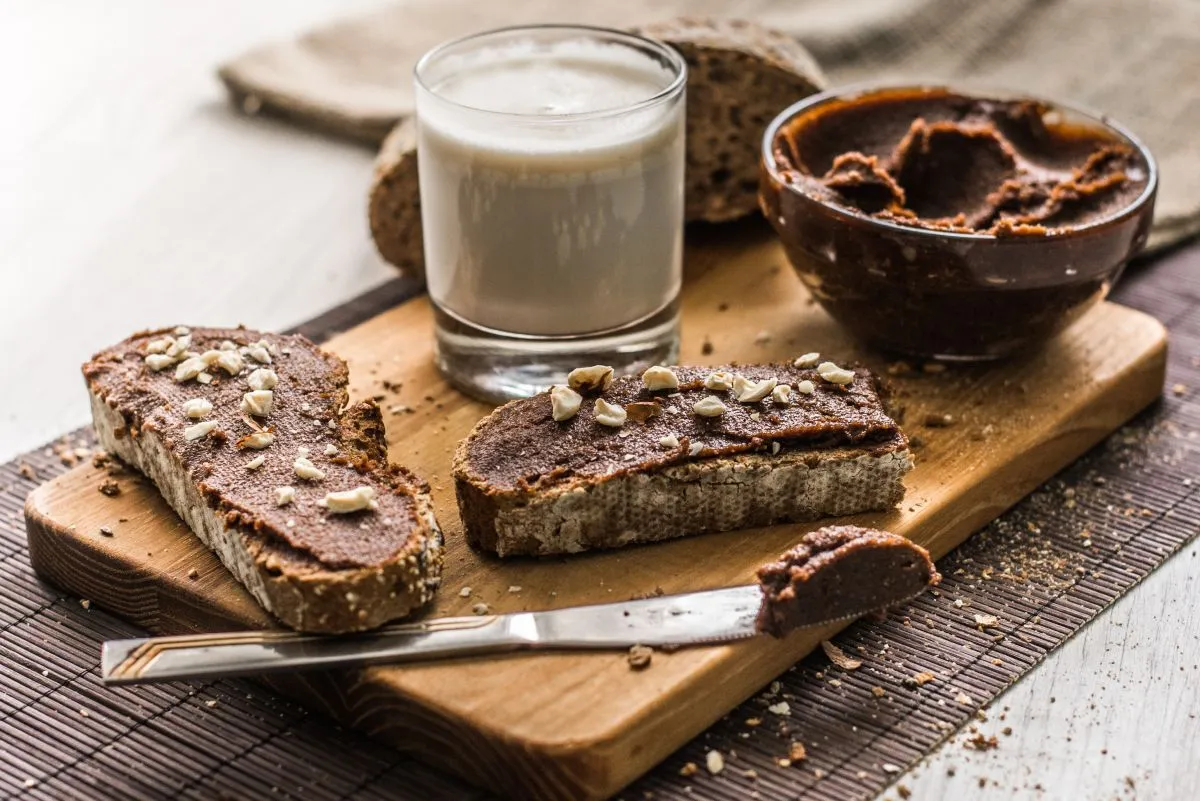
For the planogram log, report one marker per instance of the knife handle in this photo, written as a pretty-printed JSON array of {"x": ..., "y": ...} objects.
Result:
[{"x": 194, "y": 656}]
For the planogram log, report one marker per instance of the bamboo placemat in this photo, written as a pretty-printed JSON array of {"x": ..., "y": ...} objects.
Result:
[{"x": 1042, "y": 570}]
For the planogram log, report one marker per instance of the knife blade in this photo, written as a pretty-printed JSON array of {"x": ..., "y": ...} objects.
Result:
[
  {"x": 710, "y": 616},
  {"x": 707, "y": 617}
]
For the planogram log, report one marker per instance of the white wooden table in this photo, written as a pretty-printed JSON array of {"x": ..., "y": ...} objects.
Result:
[{"x": 131, "y": 197}]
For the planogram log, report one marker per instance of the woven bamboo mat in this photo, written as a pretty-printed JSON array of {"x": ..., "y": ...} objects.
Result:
[{"x": 1042, "y": 570}]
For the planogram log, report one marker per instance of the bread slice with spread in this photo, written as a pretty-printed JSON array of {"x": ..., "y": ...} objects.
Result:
[
  {"x": 251, "y": 440},
  {"x": 603, "y": 463}
]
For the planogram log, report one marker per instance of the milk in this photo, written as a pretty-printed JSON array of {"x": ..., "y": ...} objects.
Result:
[{"x": 550, "y": 207}]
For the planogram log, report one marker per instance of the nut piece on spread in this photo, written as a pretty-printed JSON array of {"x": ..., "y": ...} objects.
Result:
[
  {"x": 670, "y": 442},
  {"x": 839, "y": 376},
  {"x": 189, "y": 368},
  {"x": 262, "y": 378},
  {"x": 197, "y": 408},
  {"x": 609, "y": 414},
  {"x": 720, "y": 380},
  {"x": 641, "y": 411},
  {"x": 656, "y": 378},
  {"x": 806, "y": 387},
  {"x": 748, "y": 391},
  {"x": 807, "y": 360},
  {"x": 259, "y": 402},
  {"x": 590, "y": 380},
  {"x": 199, "y": 430},
  {"x": 231, "y": 362},
  {"x": 782, "y": 394},
  {"x": 564, "y": 403},
  {"x": 284, "y": 495},
  {"x": 348, "y": 501},
  {"x": 158, "y": 361},
  {"x": 709, "y": 406},
  {"x": 256, "y": 441},
  {"x": 305, "y": 469}
]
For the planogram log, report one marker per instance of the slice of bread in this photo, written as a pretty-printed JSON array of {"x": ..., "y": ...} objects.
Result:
[
  {"x": 740, "y": 76},
  {"x": 840, "y": 572},
  {"x": 251, "y": 440},
  {"x": 528, "y": 483}
]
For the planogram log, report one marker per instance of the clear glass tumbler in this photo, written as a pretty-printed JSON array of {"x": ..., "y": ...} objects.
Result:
[{"x": 551, "y": 164}]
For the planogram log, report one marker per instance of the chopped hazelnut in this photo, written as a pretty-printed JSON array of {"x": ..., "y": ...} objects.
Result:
[
  {"x": 670, "y": 442},
  {"x": 197, "y": 408},
  {"x": 782, "y": 394},
  {"x": 350, "y": 500},
  {"x": 257, "y": 440},
  {"x": 284, "y": 495},
  {"x": 656, "y": 378},
  {"x": 262, "y": 378},
  {"x": 306, "y": 470},
  {"x": 719, "y": 380},
  {"x": 188, "y": 369},
  {"x": 709, "y": 406},
  {"x": 564, "y": 403},
  {"x": 609, "y": 414},
  {"x": 199, "y": 430},
  {"x": 256, "y": 462},
  {"x": 588, "y": 380},
  {"x": 641, "y": 411},
  {"x": 748, "y": 391},
  {"x": 158, "y": 361},
  {"x": 806, "y": 387},
  {"x": 808, "y": 360},
  {"x": 258, "y": 403}
]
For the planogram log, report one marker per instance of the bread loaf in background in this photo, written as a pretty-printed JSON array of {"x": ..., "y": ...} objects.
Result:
[{"x": 740, "y": 76}]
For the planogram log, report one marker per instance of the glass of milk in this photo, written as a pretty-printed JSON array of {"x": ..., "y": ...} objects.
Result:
[{"x": 551, "y": 168}]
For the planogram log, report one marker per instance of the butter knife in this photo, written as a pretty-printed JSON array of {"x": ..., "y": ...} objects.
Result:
[{"x": 695, "y": 618}]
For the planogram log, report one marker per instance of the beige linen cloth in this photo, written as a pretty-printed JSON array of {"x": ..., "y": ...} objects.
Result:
[{"x": 1136, "y": 60}]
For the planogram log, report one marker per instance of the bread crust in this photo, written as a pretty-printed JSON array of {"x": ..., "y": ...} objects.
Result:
[{"x": 138, "y": 419}]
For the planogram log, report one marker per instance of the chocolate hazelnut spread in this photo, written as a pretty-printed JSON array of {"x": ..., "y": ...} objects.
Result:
[
  {"x": 839, "y": 572},
  {"x": 523, "y": 447},
  {"x": 947, "y": 162}
]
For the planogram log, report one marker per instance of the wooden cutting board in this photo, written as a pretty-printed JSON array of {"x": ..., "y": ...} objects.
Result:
[{"x": 581, "y": 726}]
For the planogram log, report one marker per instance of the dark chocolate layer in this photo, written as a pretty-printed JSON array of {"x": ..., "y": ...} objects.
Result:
[
  {"x": 311, "y": 392},
  {"x": 521, "y": 447},
  {"x": 837, "y": 572},
  {"x": 949, "y": 162}
]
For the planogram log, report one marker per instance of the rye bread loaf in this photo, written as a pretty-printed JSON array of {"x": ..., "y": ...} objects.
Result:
[
  {"x": 250, "y": 439},
  {"x": 530, "y": 484},
  {"x": 740, "y": 75}
]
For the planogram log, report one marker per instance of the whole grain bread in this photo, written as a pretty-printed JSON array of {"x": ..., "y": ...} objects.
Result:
[
  {"x": 530, "y": 484},
  {"x": 251, "y": 440},
  {"x": 740, "y": 75}
]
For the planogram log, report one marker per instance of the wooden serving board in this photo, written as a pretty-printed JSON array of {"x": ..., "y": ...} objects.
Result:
[{"x": 583, "y": 725}]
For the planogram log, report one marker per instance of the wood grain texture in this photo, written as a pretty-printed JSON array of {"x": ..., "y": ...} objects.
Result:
[{"x": 584, "y": 725}]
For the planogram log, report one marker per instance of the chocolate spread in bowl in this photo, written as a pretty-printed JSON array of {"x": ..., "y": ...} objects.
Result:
[
  {"x": 968, "y": 165},
  {"x": 936, "y": 224}
]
